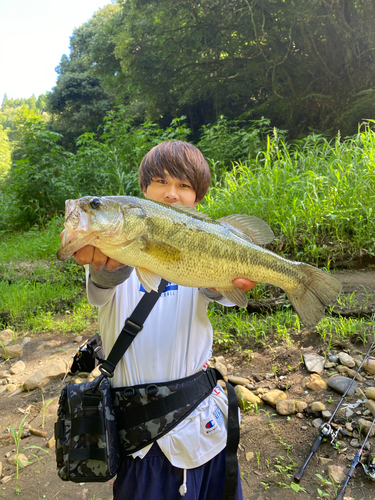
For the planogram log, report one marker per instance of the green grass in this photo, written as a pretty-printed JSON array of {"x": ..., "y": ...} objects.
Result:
[{"x": 318, "y": 197}]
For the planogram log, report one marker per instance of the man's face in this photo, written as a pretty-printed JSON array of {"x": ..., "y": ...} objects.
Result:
[{"x": 170, "y": 190}]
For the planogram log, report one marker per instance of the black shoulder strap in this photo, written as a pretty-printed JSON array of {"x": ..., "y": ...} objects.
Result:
[{"x": 133, "y": 325}]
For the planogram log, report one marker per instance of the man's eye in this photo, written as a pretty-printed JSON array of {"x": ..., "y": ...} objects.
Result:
[{"x": 185, "y": 185}]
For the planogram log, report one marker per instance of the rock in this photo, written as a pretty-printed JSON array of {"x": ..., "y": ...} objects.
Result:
[
  {"x": 222, "y": 369},
  {"x": 358, "y": 377},
  {"x": 272, "y": 397},
  {"x": 300, "y": 406},
  {"x": 370, "y": 392},
  {"x": 269, "y": 376},
  {"x": 25, "y": 341},
  {"x": 246, "y": 398},
  {"x": 341, "y": 383},
  {"x": 369, "y": 366},
  {"x": 317, "y": 423},
  {"x": 299, "y": 415},
  {"x": 337, "y": 473},
  {"x": 317, "y": 406},
  {"x": 6, "y": 335},
  {"x": 12, "y": 460},
  {"x": 365, "y": 427},
  {"x": 6, "y": 479},
  {"x": 346, "y": 360},
  {"x": 18, "y": 367},
  {"x": 4, "y": 374},
  {"x": 11, "y": 387},
  {"x": 342, "y": 369},
  {"x": 51, "y": 443},
  {"x": 12, "y": 351},
  {"x": 349, "y": 427},
  {"x": 249, "y": 455},
  {"x": 315, "y": 383},
  {"x": 355, "y": 443},
  {"x": 329, "y": 364},
  {"x": 236, "y": 380},
  {"x": 56, "y": 369},
  {"x": 314, "y": 363},
  {"x": 326, "y": 414},
  {"x": 37, "y": 432},
  {"x": 78, "y": 339},
  {"x": 349, "y": 413},
  {"x": 48, "y": 345},
  {"x": 370, "y": 405},
  {"x": 285, "y": 407},
  {"x": 333, "y": 358},
  {"x": 324, "y": 461}
]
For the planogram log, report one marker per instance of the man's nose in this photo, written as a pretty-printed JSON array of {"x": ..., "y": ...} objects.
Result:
[{"x": 171, "y": 192}]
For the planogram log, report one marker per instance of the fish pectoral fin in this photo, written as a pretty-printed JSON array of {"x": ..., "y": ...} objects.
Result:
[
  {"x": 256, "y": 229},
  {"x": 162, "y": 251},
  {"x": 149, "y": 280},
  {"x": 235, "y": 295}
]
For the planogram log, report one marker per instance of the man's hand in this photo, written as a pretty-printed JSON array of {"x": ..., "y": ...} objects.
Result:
[
  {"x": 244, "y": 284},
  {"x": 96, "y": 258}
]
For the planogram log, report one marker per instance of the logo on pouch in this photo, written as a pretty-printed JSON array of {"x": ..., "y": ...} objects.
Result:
[{"x": 210, "y": 424}]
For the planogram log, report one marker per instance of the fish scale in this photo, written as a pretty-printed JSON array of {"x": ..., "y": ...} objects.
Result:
[{"x": 186, "y": 247}]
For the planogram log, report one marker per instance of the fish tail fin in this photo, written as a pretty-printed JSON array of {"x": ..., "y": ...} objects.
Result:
[{"x": 318, "y": 290}]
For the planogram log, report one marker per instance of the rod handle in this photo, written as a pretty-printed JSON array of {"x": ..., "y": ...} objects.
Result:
[
  {"x": 298, "y": 475},
  {"x": 340, "y": 496}
]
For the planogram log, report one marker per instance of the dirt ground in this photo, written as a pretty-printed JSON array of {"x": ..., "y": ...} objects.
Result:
[{"x": 271, "y": 448}]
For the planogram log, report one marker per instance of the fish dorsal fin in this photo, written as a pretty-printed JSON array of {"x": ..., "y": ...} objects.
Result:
[
  {"x": 149, "y": 280},
  {"x": 256, "y": 229},
  {"x": 192, "y": 211},
  {"x": 235, "y": 295}
]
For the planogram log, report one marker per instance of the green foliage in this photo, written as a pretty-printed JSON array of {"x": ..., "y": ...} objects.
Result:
[{"x": 5, "y": 152}]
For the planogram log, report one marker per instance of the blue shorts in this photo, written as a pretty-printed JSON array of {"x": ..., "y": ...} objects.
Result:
[{"x": 155, "y": 478}]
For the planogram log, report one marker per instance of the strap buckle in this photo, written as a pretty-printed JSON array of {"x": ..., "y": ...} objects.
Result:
[
  {"x": 132, "y": 328},
  {"x": 211, "y": 375}
]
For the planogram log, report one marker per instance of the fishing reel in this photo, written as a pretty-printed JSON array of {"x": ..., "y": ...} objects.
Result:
[
  {"x": 369, "y": 469},
  {"x": 329, "y": 433}
]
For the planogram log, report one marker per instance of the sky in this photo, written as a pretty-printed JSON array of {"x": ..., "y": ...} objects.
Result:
[{"x": 34, "y": 34}]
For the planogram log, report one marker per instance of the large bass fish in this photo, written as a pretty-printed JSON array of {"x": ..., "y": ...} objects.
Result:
[{"x": 188, "y": 248}]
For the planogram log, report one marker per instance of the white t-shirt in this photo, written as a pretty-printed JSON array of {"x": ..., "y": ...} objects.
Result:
[{"x": 176, "y": 341}]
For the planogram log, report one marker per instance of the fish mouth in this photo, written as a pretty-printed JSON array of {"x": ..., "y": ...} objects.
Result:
[{"x": 75, "y": 235}]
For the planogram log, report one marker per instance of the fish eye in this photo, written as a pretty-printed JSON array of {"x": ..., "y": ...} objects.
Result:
[{"x": 95, "y": 203}]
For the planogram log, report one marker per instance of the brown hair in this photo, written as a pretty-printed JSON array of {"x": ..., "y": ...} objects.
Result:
[{"x": 181, "y": 160}]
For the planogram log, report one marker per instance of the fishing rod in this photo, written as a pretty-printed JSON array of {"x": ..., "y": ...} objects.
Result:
[
  {"x": 356, "y": 461},
  {"x": 326, "y": 429}
]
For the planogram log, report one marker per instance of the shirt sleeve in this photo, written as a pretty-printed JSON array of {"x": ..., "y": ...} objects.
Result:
[{"x": 101, "y": 285}]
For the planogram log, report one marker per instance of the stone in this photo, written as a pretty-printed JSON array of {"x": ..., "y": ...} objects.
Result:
[
  {"x": 5, "y": 479},
  {"x": 12, "y": 460},
  {"x": 370, "y": 405},
  {"x": 354, "y": 443},
  {"x": 342, "y": 369},
  {"x": 38, "y": 432},
  {"x": 222, "y": 369},
  {"x": 4, "y": 374},
  {"x": 18, "y": 367},
  {"x": 12, "y": 351},
  {"x": 346, "y": 360},
  {"x": 50, "y": 344},
  {"x": 317, "y": 406},
  {"x": 349, "y": 413},
  {"x": 324, "y": 461},
  {"x": 369, "y": 366},
  {"x": 315, "y": 383},
  {"x": 11, "y": 387},
  {"x": 333, "y": 358},
  {"x": 341, "y": 383},
  {"x": 349, "y": 427},
  {"x": 337, "y": 473},
  {"x": 365, "y": 425},
  {"x": 299, "y": 415},
  {"x": 273, "y": 396},
  {"x": 249, "y": 455},
  {"x": 51, "y": 443},
  {"x": 317, "y": 423},
  {"x": 314, "y": 363},
  {"x": 326, "y": 414},
  {"x": 236, "y": 380},
  {"x": 329, "y": 364},
  {"x": 285, "y": 407},
  {"x": 56, "y": 369},
  {"x": 358, "y": 377},
  {"x": 25, "y": 341},
  {"x": 301, "y": 406},
  {"x": 370, "y": 392},
  {"x": 78, "y": 339},
  {"x": 246, "y": 398},
  {"x": 6, "y": 335}
]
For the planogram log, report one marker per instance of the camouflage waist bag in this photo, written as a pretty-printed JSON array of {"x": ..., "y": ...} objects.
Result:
[
  {"x": 145, "y": 413},
  {"x": 87, "y": 447}
]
